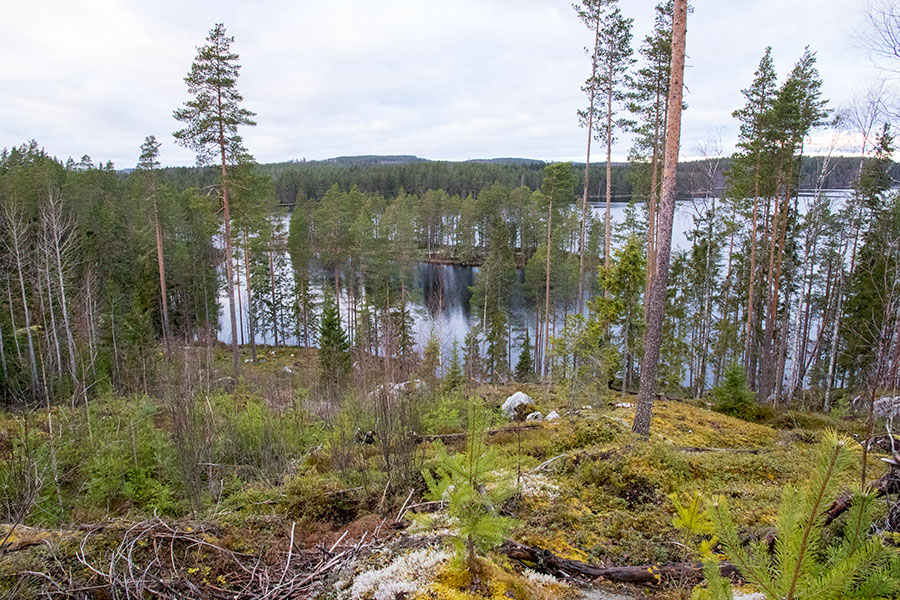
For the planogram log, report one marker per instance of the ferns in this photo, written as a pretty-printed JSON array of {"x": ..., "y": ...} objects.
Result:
[{"x": 801, "y": 567}]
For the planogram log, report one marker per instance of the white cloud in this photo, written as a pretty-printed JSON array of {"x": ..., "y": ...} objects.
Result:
[{"x": 451, "y": 80}]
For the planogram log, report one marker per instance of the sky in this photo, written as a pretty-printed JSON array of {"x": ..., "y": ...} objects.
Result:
[{"x": 454, "y": 80}]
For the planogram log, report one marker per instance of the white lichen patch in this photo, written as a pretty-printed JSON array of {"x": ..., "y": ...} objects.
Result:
[
  {"x": 404, "y": 575},
  {"x": 541, "y": 579},
  {"x": 535, "y": 484}
]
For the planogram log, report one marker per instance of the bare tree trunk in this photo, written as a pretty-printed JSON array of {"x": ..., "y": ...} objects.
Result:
[
  {"x": 53, "y": 330},
  {"x": 651, "y": 211},
  {"x": 657, "y": 307},
  {"x": 752, "y": 283},
  {"x": 17, "y": 230},
  {"x": 52, "y": 215},
  {"x": 3, "y": 360},
  {"x": 274, "y": 304},
  {"x": 12, "y": 320},
  {"x": 608, "y": 232},
  {"x": 229, "y": 255},
  {"x": 587, "y": 168},
  {"x": 161, "y": 265},
  {"x": 251, "y": 330},
  {"x": 240, "y": 308},
  {"x": 835, "y": 330},
  {"x": 544, "y": 366}
]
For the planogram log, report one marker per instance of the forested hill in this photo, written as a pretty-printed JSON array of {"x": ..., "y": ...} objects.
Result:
[{"x": 389, "y": 174}]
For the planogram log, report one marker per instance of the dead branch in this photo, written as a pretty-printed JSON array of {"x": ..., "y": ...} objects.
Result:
[
  {"x": 547, "y": 562},
  {"x": 889, "y": 483},
  {"x": 491, "y": 432}
]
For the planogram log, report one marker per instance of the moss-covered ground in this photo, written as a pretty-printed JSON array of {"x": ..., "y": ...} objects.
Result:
[{"x": 241, "y": 470}]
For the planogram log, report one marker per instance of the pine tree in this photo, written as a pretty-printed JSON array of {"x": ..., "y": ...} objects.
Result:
[
  {"x": 589, "y": 11},
  {"x": 212, "y": 117},
  {"x": 615, "y": 60},
  {"x": 475, "y": 484},
  {"x": 657, "y": 304}
]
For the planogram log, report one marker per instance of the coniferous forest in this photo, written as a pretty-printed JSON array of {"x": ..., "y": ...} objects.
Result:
[{"x": 385, "y": 377}]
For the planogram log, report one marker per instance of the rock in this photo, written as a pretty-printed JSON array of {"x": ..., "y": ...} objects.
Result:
[
  {"x": 413, "y": 385},
  {"x": 624, "y": 405},
  {"x": 393, "y": 390},
  {"x": 518, "y": 399},
  {"x": 287, "y": 369},
  {"x": 535, "y": 416},
  {"x": 888, "y": 406},
  {"x": 552, "y": 416}
]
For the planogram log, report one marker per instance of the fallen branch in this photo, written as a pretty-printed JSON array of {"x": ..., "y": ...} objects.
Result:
[
  {"x": 889, "y": 483},
  {"x": 457, "y": 436},
  {"x": 551, "y": 564},
  {"x": 732, "y": 450},
  {"x": 546, "y": 463}
]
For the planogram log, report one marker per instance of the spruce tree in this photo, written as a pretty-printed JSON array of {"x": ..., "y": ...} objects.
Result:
[
  {"x": 523, "y": 367},
  {"x": 334, "y": 350},
  {"x": 454, "y": 377},
  {"x": 148, "y": 163}
]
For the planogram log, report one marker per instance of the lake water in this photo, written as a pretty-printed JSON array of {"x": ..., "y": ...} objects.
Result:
[{"x": 448, "y": 317}]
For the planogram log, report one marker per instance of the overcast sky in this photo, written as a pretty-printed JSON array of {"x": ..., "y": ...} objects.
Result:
[{"x": 442, "y": 80}]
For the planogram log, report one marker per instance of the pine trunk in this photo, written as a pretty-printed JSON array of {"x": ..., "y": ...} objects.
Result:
[{"x": 657, "y": 306}]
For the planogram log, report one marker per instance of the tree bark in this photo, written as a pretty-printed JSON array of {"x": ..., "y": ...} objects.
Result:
[
  {"x": 251, "y": 330},
  {"x": 229, "y": 272},
  {"x": 544, "y": 366},
  {"x": 657, "y": 306},
  {"x": 161, "y": 264},
  {"x": 587, "y": 167}
]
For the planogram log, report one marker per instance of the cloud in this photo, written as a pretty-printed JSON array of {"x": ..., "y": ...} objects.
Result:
[{"x": 458, "y": 80}]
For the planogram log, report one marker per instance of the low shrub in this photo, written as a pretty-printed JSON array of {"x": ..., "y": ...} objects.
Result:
[
  {"x": 316, "y": 497},
  {"x": 734, "y": 397}
]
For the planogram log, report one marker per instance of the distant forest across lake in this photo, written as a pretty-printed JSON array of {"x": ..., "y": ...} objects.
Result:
[{"x": 388, "y": 175}]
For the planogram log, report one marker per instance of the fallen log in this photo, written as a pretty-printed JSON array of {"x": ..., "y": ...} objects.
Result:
[
  {"x": 459, "y": 436},
  {"x": 698, "y": 449},
  {"x": 551, "y": 564},
  {"x": 889, "y": 483}
]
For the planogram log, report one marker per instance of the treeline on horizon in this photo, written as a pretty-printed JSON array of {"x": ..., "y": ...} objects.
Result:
[{"x": 387, "y": 175}]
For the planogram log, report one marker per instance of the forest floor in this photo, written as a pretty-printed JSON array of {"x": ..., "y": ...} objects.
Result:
[{"x": 590, "y": 491}]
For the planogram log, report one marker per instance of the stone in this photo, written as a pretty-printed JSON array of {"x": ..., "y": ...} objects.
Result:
[
  {"x": 518, "y": 399},
  {"x": 535, "y": 416},
  {"x": 887, "y": 407},
  {"x": 552, "y": 416}
]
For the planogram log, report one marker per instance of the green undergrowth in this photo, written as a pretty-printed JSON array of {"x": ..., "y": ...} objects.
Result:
[{"x": 264, "y": 456}]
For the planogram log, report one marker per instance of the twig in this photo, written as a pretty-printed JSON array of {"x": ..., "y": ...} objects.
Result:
[
  {"x": 287, "y": 563},
  {"x": 340, "y": 539},
  {"x": 546, "y": 463},
  {"x": 402, "y": 508}
]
